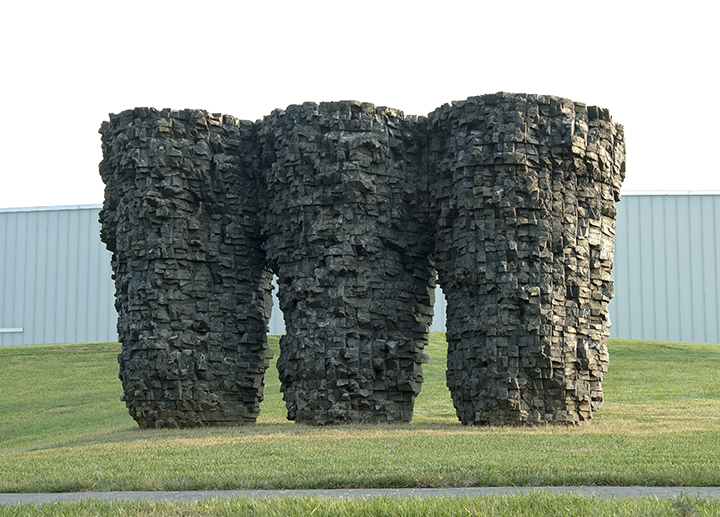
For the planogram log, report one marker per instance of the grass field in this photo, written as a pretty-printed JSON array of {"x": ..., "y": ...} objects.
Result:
[
  {"x": 536, "y": 504},
  {"x": 63, "y": 428}
]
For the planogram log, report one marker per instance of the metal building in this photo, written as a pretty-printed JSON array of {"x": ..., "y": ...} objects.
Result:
[
  {"x": 55, "y": 277},
  {"x": 667, "y": 267},
  {"x": 56, "y": 285}
]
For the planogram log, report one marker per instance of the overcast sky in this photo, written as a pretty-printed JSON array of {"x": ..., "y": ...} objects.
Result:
[{"x": 67, "y": 65}]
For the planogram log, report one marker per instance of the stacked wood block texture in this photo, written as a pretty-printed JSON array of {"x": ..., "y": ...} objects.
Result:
[
  {"x": 524, "y": 190},
  {"x": 509, "y": 198},
  {"x": 348, "y": 235},
  {"x": 193, "y": 292}
]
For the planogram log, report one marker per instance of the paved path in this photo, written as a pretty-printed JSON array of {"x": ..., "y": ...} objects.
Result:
[{"x": 601, "y": 491}]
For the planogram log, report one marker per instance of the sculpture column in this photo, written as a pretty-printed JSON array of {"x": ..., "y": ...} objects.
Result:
[
  {"x": 348, "y": 237},
  {"x": 192, "y": 289},
  {"x": 522, "y": 190},
  {"x": 598, "y": 156}
]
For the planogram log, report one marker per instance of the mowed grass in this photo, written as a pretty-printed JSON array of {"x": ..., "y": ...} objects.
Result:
[
  {"x": 63, "y": 428},
  {"x": 536, "y": 504}
]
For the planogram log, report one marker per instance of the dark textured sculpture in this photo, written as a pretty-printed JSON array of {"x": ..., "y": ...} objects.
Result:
[
  {"x": 524, "y": 190},
  {"x": 348, "y": 235},
  {"x": 510, "y": 197},
  {"x": 192, "y": 286}
]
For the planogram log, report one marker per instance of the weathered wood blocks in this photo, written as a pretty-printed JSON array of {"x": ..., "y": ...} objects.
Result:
[
  {"x": 192, "y": 287},
  {"x": 348, "y": 235},
  {"x": 524, "y": 190},
  {"x": 511, "y": 198}
]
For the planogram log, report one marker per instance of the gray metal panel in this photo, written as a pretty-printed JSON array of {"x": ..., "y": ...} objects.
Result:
[
  {"x": 672, "y": 326},
  {"x": 711, "y": 284},
  {"x": 12, "y": 303},
  {"x": 10, "y": 317},
  {"x": 667, "y": 285},
  {"x": 619, "y": 308},
  {"x": 277, "y": 323},
  {"x": 56, "y": 280},
  {"x": 697, "y": 275},
  {"x": 439, "y": 318},
  {"x": 657, "y": 249},
  {"x": 684, "y": 242}
]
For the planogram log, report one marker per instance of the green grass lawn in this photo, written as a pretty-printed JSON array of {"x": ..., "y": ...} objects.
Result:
[
  {"x": 63, "y": 428},
  {"x": 535, "y": 504}
]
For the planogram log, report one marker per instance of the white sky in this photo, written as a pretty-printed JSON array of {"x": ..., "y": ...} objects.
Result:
[{"x": 66, "y": 65}]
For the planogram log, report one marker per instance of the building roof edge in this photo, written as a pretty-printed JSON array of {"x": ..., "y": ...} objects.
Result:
[{"x": 49, "y": 208}]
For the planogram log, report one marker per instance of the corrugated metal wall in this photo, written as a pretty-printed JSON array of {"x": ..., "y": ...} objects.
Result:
[
  {"x": 55, "y": 283},
  {"x": 667, "y": 282}
]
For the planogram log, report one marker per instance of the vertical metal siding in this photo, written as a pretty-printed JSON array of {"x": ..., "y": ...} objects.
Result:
[
  {"x": 711, "y": 283},
  {"x": 276, "y": 324},
  {"x": 666, "y": 268},
  {"x": 10, "y": 312},
  {"x": 439, "y": 318},
  {"x": 55, "y": 281},
  {"x": 685, "y": 300}
]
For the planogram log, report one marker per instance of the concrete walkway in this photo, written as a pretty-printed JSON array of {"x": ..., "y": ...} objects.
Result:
[{"x": 600, "y": 491}]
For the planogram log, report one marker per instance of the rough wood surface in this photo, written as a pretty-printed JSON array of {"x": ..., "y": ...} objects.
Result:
[{"x": 510, "y": 198}]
